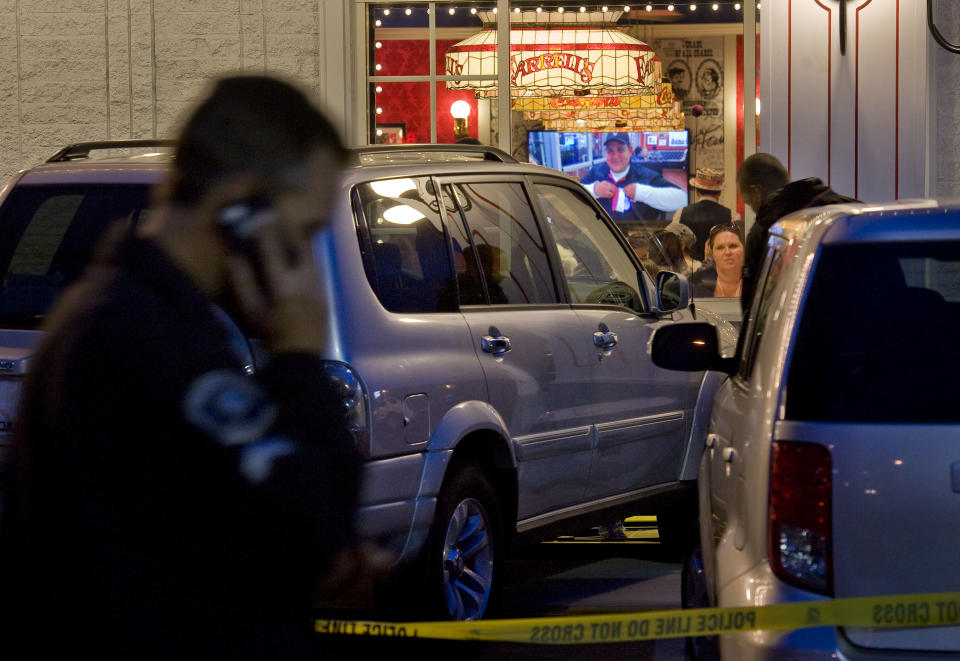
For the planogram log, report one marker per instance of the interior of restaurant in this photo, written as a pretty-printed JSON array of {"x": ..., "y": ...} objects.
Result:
[{"x": 669, "y": 75}]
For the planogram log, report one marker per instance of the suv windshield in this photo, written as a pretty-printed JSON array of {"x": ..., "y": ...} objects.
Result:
[
  {"x": 876, "y": 342},
  {"x": 47, "y": 234}
]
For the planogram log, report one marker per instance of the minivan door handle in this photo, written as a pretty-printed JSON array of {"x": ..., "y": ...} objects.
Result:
[{"x": 497, "y": 345}]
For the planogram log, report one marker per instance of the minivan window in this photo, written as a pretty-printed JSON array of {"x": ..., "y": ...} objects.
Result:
[
  {"x": 506, "y": 247},
  {"x": 47, "y": 235},
  {"x": 877, "y": 337},
  {"x": 406, "y": 256}
]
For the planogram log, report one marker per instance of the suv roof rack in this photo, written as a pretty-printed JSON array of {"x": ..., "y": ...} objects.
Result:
[
  {"x": 82, "y": 149},
  {"x": 384, "y": 154}
]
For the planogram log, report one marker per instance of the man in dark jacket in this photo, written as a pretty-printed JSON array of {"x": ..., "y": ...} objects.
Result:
[
  {"x": 628, "y": 191},
  {"x": 765, "y": 187},
  {"x": 164, "y": 503}
]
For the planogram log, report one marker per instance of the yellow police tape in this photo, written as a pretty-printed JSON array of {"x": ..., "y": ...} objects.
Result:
[{"x": 914, "y": 610}]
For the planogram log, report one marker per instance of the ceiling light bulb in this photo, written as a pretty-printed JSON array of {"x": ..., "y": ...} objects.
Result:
[
  {"x": 736, "y": 6},
  {"x": 473, "y": 10},
  {"x": 407, "y": 11},
  {"x": 693, "y": 8},
  {"x": 386, "y": 12},
  {"x": 516, "y": 10},
  {"x": 377, "y": 22},
  {"x": 559, "y": 10},
  {"x": 669, "y": 7},
  {"x": 649, "y": 7},
  {"x": 626, "y": 8},
  {"x": 715, "y": 6},
  {"x": 378, "y": 45},
  {"x": 539, "y": 9},
  {"x": 494, "y": 10},
  {"x": 583, "y": 9},
  {"x": 452, "y": 11}
]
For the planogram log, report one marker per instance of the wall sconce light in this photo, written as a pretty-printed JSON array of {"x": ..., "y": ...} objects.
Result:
[{"x": 460, "y": 111}]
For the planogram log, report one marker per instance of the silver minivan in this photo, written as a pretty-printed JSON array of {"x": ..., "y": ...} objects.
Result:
[
  {"x": 490, "y": 334},
  {"x": 831, "y": 467}
]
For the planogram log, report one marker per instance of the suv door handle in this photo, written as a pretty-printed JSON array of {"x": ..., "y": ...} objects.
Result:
[
  {"x": 605, "y": 340},
  {"x": 495, "y": 345}
]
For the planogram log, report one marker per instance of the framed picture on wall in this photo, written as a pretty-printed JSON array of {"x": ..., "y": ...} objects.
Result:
[{"x": 391, "y": 134}]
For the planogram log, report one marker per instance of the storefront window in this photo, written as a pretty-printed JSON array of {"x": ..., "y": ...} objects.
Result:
[{"x": 671, "y": 76}]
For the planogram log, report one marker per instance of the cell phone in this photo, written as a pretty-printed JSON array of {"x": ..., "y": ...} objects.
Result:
[{"x": 239, "y": 223}]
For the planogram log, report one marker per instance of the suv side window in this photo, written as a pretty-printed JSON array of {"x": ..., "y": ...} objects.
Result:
[
  {"x": 47, "y": 235},
  {"x": 596, "y": 266},
  {"x": 405, "y": 251},
  {"x": 503, "y": 254}
]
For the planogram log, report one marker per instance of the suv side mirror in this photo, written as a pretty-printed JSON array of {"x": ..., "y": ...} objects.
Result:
[
  {"x": 689, "y": 347},
  {"x": 673, "y": 291}
]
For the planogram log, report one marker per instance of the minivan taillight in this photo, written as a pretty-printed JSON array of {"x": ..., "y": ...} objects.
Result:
[{"x": 799, "y": 509}]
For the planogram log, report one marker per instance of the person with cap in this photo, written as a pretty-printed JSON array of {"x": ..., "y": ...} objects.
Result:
[
  {"x": 706, "y": 210},
  {"x": 628, "y": 191}
]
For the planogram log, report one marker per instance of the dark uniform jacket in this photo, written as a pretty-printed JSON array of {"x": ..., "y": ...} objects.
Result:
[
  {"x": 700, "y": 217},
  {"x": 801, "y": 194},
  {"x": 629, "y": 209},
  {"x": 165, "y": 505}
]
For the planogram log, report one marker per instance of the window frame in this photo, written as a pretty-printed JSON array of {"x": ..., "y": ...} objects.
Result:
[{"x": 368, "y": 79}]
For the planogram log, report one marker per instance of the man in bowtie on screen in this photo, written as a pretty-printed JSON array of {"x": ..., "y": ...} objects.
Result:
[{"x": 629, "y": 191}]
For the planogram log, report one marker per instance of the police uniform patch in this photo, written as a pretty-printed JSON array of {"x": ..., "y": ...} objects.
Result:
[
  {"x": 256, "y": 459},
  {"x": 231, "y": 407}
]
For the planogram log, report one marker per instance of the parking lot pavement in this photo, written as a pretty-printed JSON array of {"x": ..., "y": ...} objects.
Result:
[{"x": 570, "y": 576}]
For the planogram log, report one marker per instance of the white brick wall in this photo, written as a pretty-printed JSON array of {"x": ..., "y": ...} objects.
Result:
[{"x": 73, "y": 70}]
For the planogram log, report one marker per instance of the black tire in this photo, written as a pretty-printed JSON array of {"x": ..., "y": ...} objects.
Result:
[
  {"x": 693, "y": 594},
  {"x": 457, "y": 575}
]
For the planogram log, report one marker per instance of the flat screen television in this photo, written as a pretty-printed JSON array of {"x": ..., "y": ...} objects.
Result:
[{"x": 574, "y": 153}]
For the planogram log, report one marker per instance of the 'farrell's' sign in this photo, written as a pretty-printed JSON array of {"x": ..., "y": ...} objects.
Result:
[{"x": 569, "y": 61}]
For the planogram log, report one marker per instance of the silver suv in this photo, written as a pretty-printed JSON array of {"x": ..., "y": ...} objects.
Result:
[
  {"x": 490, "y": 332},
  {"x": 832, "y": 463}
]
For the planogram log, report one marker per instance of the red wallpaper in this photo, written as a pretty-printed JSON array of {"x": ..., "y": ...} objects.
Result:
[{"x": 409, "y": 103}]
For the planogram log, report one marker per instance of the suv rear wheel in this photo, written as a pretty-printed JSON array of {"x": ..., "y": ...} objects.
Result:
[
  {"x": 464, "y": 546},
  {"x": 458, "y": 573}
]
